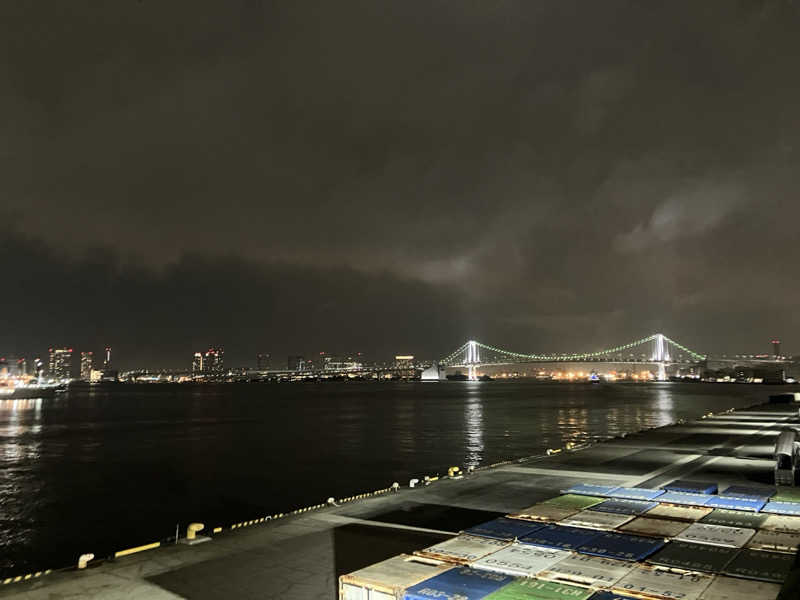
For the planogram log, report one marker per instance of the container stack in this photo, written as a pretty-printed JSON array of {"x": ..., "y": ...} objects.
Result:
[{"x": 686, "y": 541}]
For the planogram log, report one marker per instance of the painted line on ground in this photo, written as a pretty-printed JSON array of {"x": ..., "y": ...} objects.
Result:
[{"x": 356, "y": 521}]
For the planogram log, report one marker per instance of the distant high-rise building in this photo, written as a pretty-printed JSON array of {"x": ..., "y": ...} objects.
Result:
[
  {"x": 107, "y": 358},
  {"x": 38, "y": 367},
  {"x": 776, "y": 348},
  {"x": 87, "y": 364},
  {"x": 263, "y": 362},
  {"x": 197, "y": 363},
  {"x": 13, "y": 367},
  {"x": 61, "y": 363},
  {"x": 213, "y": 361},
  {"x": 295, "y": 363}
]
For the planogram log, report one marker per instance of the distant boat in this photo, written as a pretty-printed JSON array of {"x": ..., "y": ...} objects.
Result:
[
  {"x": 458, "y": 376},
  {"x": 27, "y": 392}
]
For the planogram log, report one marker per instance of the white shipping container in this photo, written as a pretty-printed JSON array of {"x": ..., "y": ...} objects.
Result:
[
  {"x": 545, "y": 512},
  {"x": 774, "y": 540},
  {"x": 733, "y": 588},
  {"x": 521, "y": 560},
  {"x": 388, "y": 579},
  {"x": 648, "y": 582},
  {"x": 592, "y": 519},
  {"x": 716, "y": 535},
  {"x": 663, "y": 528},
  {"x": 784, "y": 523},
  {"x": 679, "y": 512},
  {"x": 463, "y": 549},
  {"x": 588, "y": 570}
]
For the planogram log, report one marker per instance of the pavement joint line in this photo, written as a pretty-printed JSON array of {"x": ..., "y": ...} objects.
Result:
[
  {"x": 634, "y": 481},
  {"x": 564, "y": 473},
  {"x": 356, "y": 521}
]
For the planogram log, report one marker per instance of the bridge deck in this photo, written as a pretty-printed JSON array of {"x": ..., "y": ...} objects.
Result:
[{"x": 301, "y": 557}]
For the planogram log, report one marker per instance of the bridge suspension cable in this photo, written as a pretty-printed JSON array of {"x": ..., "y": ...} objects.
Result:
[{"x": 661, "y": 352}]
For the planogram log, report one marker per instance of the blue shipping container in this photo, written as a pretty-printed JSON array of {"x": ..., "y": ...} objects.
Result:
[
  {"x": 622, "y": 546},
  {"x": 624, "y": 507},
  {"x": 632, "y": 493},
  {"x": 560, "y": 536},
  {"x": 685, "y": 498},
  {"x": 693, "y": 487},
  {"x": 749, "y": 492},
  {"x": 587, "y": 489},
  {"x": 459, "y": 583},
  {"x": 736, "y": 503},
  {"x": 782, "y": 508},
  {"x": 504, "y": 528}
]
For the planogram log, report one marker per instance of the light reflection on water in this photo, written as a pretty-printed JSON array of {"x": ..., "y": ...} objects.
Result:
[{"x": 109, "y": 468}]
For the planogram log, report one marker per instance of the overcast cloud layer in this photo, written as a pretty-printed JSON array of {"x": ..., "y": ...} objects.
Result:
[{"x": 397, "y": 176}]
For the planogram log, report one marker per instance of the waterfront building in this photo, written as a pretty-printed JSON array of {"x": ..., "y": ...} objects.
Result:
[
  {"x": 107, "y": 359},
  {"x": 61, "y": 363},
  {"x": 295, "y": 363},
  {"x": 263, "y": 362},
  {"x": 404, "y": 365},
  {"x": 213, "y": 361},
  {"x": 87, "y": 364},
  {"x": 38, "y": 367},
  {"x": 13, "y": 367},
  {"x": 197, "y": 364}
]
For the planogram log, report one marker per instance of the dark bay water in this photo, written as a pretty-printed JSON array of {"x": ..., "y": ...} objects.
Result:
[{"x": 108, "y": 468}]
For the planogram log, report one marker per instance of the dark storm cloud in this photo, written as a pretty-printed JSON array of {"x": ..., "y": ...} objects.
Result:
[{"x": 551, "y": 175}]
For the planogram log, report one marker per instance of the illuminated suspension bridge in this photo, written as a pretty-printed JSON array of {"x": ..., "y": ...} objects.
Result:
[{"x": 656, "y": 349}]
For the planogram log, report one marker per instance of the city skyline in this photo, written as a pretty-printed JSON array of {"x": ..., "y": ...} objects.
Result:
[{"x": 558, "y": 176}]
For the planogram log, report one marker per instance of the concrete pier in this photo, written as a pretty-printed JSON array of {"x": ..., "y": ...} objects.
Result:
[{"x": 300, "y": 557}]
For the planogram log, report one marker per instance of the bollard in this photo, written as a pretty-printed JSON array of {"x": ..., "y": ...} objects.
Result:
[
  {"x": 192, "y": 529},
  {"x": 413, "y": 482},
  {"x": 453, "y": 471},
  {"x": 395, "y": 487},
  {"x": 83, "y": 559}
]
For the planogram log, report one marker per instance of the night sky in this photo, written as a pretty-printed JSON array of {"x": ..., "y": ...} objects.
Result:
[{"x": 397, "y": 177}]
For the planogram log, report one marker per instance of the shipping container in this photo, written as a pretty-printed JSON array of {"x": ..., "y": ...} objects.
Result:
[
  {"x": 503, "y": 528},
  {"x": 735, "y": 503},
  {"x": 782, "y": 508},
  {"x": 388, "y": 579},
  {"x": 693, "y": 487},
  {"x": 588, "y": 570},
  {"x": 774, "y": 540},
  {"x": 575, "y": 501},
  {"x": 622, "y": 546},
  {"x": 749, "y": 492},
  {"x": 545, "y": 513},
  {"x": 597, "y": 520},
  {"x": 784, "y": 523},
  {"x": 634, "y": 493},
  {"x": 560, "y": 536},
  {"x": 521, "y": 560},
  {"x": 733, "y": 588},
  {"x": 650, "y": 582},
  {"x": 688, "y": 556},
  {"x": 716, "y": 535},
  {"x": 685, "y": 498},
  {"x": 624, "y": 507},
  {"x": 588, "y": 489},
  {"x": 462, "y": 549},
  {"x": 537, "y": 589},
  {"x": 461, "y": 582},
  {"x": 760, "y": 564},
  {"x": 734, "y": 518},
  {"x": 661, "y": 528},
  {"x": 678, "y": 512}
]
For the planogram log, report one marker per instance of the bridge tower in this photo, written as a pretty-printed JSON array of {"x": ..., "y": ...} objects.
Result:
[
  {"x": 660, "y": 355},
  {"x": 472, "y": 359}
]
